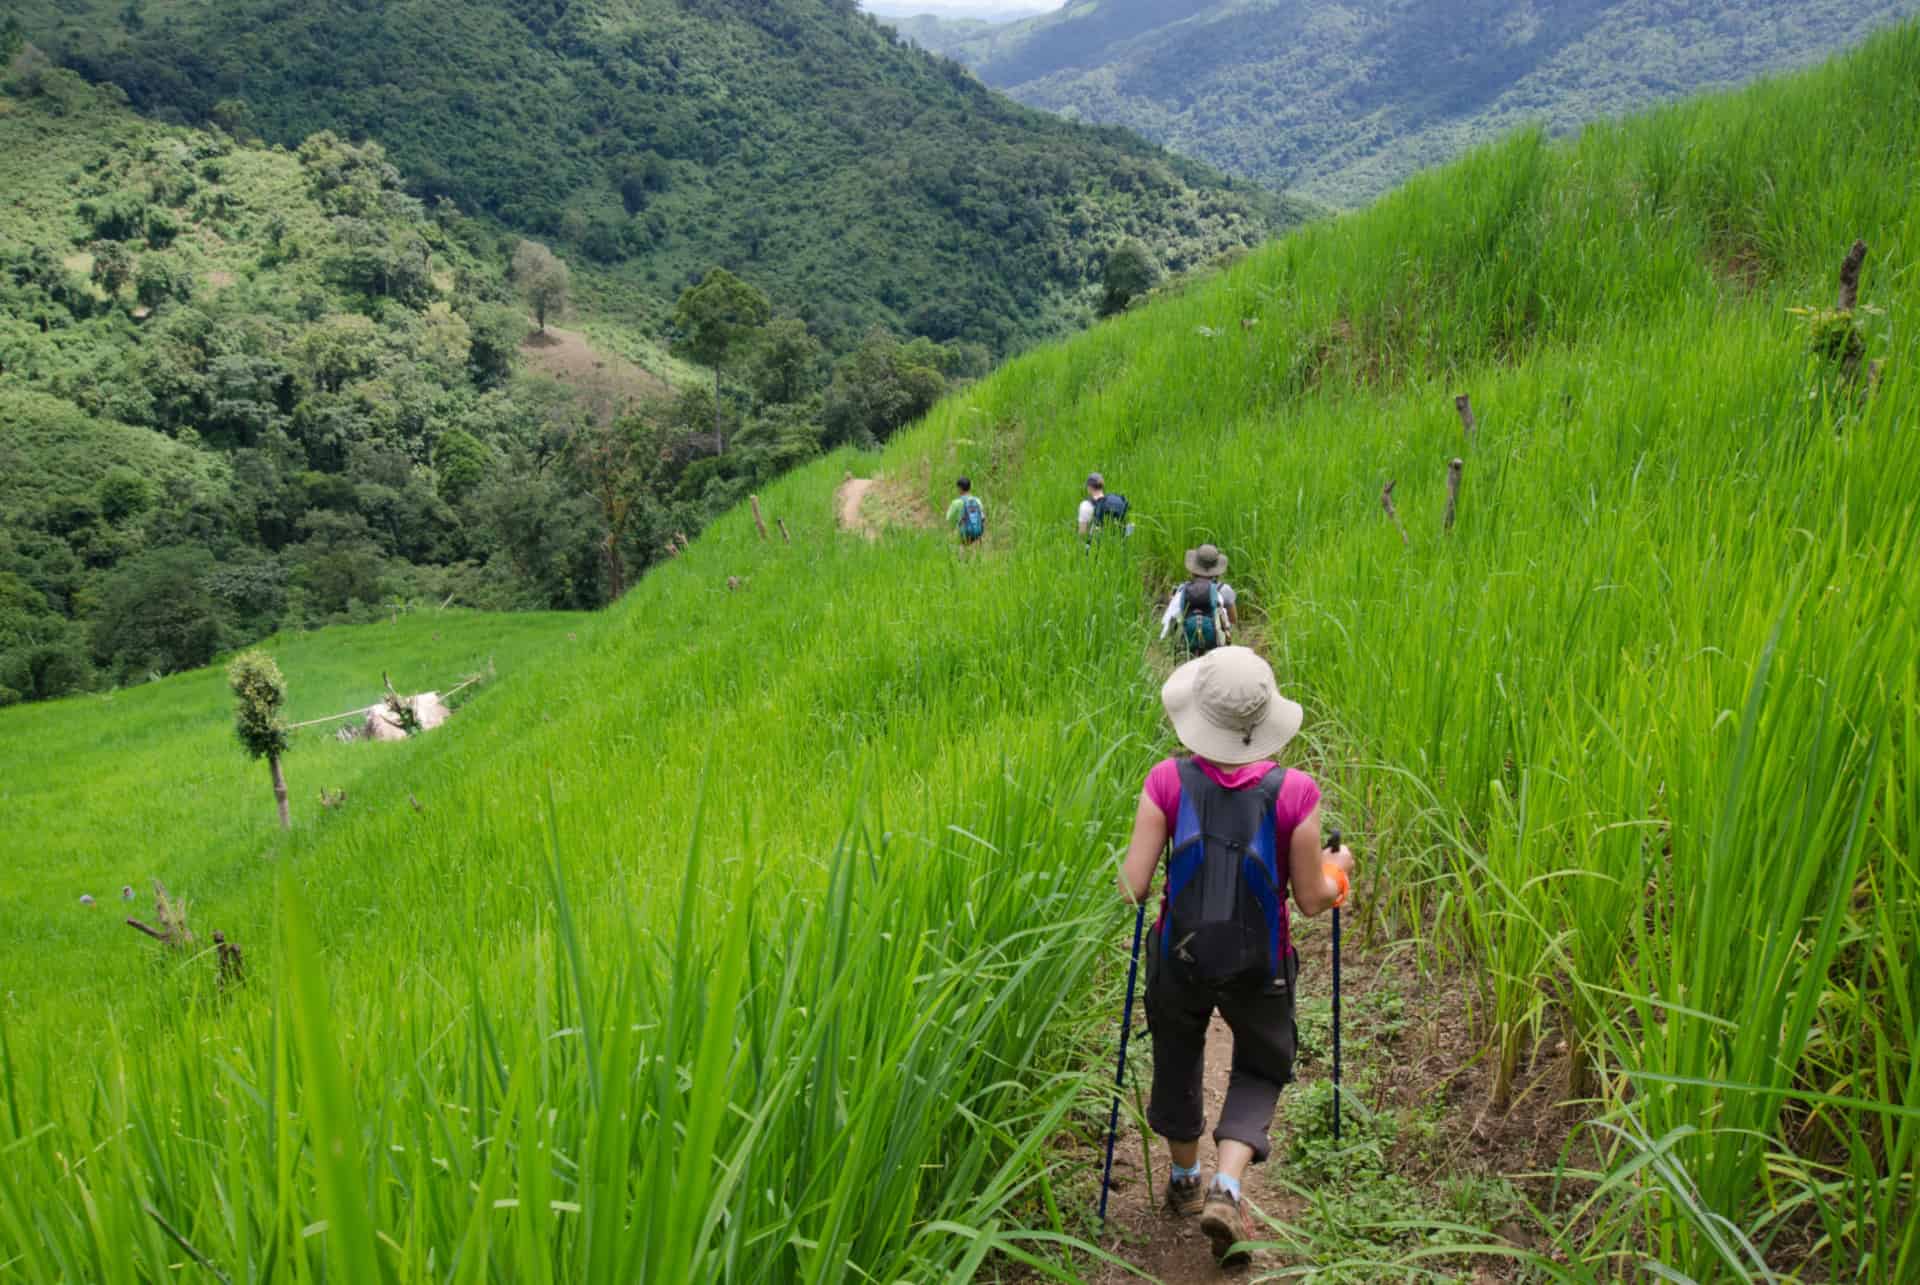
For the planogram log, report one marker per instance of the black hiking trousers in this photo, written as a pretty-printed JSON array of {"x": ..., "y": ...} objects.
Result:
[{"x": 1259, "y": 1014}]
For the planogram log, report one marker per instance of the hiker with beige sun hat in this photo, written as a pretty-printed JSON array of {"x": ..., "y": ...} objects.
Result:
[
  {"x": 1238, "y": 831},
  {"x": 1204, "y": 605}
]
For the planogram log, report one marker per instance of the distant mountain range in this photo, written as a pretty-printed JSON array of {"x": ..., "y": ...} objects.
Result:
[
  {"x": 983, "y": 11},
  {"x": 796, "y": 142},
  {"x": 1339, "y": 100}
]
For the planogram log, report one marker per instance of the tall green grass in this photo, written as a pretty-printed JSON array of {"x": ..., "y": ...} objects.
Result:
[{"x": 747, "y": 937}]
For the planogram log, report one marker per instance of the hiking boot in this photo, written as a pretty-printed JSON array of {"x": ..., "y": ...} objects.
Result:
[
  {"x": 1225, "y": 1220},
  {"x": 1185, "y": 1196}
]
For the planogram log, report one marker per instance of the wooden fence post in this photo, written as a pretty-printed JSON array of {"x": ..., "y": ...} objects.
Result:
[
  {"x": 1465, "y": 407},
  {"x": 758, "y": 523},
  {"x": 1386, "y": 502},
  {"x": 784, "y": 533},
  {"x": 1453, "y": 489}
]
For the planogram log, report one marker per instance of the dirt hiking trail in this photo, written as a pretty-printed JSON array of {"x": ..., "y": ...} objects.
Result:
[
  {"x": 1408, "y": 1057},
  {"x": 847, "y": 501}
]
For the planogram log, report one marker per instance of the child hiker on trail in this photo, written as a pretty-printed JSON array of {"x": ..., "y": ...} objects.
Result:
[
  {"x": 965, "y": 513},
  {"x": 1238, "y": 831},
  {"x": 1100, "y": 507}
]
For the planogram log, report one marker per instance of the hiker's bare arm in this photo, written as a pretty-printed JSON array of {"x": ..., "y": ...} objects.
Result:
[
  {"x": 1233, "y": 617},
  {"x": 1313, "y": 891},
  {"x": 1143, "y": 852}
]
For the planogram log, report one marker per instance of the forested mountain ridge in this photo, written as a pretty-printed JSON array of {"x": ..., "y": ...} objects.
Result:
[
  {"x": 1341, "y": 99},
  {"x": 245, "y": 389},
  {"x": 801, "y": 144}
]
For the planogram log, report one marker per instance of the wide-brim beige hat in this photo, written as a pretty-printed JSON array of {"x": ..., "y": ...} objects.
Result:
[
  {"x": 1207, "y": 560},
  {"x": 1226, "y": 707}
]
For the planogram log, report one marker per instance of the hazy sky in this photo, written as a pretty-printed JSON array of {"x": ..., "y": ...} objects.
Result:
[{"x": 960, "y": 8}]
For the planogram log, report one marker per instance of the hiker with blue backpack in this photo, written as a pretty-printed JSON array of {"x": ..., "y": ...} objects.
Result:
[
  {"x": 1238, "y": 832},
  {"x": 1204, "y": 605},
  {"x": 966, "y": 514},
  {"x": 1102, "y": 511}
]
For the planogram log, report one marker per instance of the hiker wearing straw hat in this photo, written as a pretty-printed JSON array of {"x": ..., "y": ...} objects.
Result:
[
  {"x": 1204, "y": 605},
  {"x": 1238, "y": 832}
]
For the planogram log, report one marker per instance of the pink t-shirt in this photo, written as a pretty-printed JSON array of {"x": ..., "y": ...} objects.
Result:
[{"x": 1299, "y": 796}]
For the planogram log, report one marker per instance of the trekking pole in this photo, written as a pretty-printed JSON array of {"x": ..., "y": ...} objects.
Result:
[
  {"x": 1120, "y": 1069},
  {"x": 1333, "y": 845}
]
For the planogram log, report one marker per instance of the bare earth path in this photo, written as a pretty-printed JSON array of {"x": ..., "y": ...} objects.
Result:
[
  {"x": 1408, "y": 1055},
  {"x": 852, "y": 494}
]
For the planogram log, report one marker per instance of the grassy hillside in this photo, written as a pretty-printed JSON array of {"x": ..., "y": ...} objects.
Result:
[
  {"x": 158, "y": 788},
  {"x": 1342, "y": 99},
  {"x": 756, "y": 936},
  {"x": 795, "y": 142}
]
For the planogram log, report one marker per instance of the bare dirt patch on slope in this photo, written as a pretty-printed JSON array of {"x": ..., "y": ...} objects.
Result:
[
  {"x": 567, "y": 356},
  {"x": 870, "y": 504}
]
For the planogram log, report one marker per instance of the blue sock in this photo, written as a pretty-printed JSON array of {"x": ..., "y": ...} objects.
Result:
[
  {"x": 1229, "y": 1185},
  {"x": 1183, "y": 1174}
]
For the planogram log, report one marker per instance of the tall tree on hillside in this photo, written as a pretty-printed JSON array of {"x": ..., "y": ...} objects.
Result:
[
  {"x": 788, "y": 362},
  {"x": 713, "y": 320},
  {"x": 112, "y": 265},
  {"x": 259, "y": 692},
  {"x": 1129, "y": 273},
  {"x": 542, "y": 279}
]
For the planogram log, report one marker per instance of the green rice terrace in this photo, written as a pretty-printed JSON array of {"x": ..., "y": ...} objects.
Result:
[{"x": 763, "y": 927}]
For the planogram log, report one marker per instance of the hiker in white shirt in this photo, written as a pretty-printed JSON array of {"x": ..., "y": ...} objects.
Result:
[{"x": 1100, "y": 508}]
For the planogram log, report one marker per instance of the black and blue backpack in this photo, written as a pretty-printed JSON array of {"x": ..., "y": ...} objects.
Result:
[
  {"x": 1112, "y": 506},
  {"x": 1226, "y": 919},
  {"x": 1200, "y": 622},
  {"x": 973, "y": 519}
]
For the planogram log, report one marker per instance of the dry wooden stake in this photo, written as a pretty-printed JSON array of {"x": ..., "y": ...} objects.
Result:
[
  {"x": 1850, "y": 276},
  {"x": 758, "y": 523},
  {"x": 1453, "y": 489},
  {"x": 1386, "y": 502},
  {"x": 784, "y": 533},
  {"x": 1465, "y": 407}
]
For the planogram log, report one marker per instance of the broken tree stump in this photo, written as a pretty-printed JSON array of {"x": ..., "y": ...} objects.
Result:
[
  {"x": 231, "y": 968},
  {"x": 1464, "y": 405},
  {"x": 1454, "y": 468},
  {"x": 1855, "y": 347},
  {"x": 170, "y": 920},
  {"x": 1850, "y": 276},
  {"x": 1386, "y": 502}
]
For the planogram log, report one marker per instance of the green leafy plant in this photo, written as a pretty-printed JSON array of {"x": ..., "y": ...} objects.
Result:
[{"x": 259, "y": 693}]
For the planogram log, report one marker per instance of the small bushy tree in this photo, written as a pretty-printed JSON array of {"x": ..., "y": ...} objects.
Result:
[
  {"x": 259, "y": 693},
  {"x": 1129, "y": 273},
  {"x": 542, "y": 279},
  {"x": 112, "y": 265}
]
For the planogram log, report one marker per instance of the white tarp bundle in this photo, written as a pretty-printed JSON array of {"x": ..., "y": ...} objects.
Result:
[{"x": 381, "y": 723}]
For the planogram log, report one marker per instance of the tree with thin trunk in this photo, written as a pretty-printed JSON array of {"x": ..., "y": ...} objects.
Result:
[
  {"x": 259, "y": 693},
  {"x": 713, "y": 320},
  {"x": 542, "y": 279}
]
